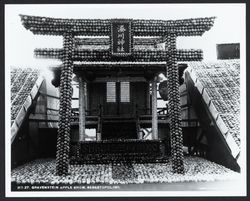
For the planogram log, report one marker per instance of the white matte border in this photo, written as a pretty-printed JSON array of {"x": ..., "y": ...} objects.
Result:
[{"x": 131, "y": 193}]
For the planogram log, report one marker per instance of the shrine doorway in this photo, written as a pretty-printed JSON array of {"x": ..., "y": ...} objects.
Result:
[
  {"x": 120, "y": 102},
  {"x": 118, "y": 99}
]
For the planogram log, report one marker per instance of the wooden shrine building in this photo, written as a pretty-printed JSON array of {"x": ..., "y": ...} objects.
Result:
[{"x": 116, "y": 63}]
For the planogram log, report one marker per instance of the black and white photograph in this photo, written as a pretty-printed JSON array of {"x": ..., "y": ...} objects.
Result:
[{"x": 125, "y": 100}]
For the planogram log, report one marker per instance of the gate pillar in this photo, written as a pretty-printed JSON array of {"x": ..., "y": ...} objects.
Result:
[
  {"x": 63, "y": 136},
  {"x": 174, "y": 106}
]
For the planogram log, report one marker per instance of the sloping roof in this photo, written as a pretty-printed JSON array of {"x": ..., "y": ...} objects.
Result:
[
  {"x": 219, "y": 84},
  {"x": 25, "y": 83}
]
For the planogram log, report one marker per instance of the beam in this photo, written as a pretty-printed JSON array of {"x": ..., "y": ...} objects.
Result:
[
  {"x": 105, "y": 56},
  {"x": 107, "y": 68},
  {"x": 106, "y": 41},
  {"x": 101, "y": 27},
  {"x": 119, "y": 79}
]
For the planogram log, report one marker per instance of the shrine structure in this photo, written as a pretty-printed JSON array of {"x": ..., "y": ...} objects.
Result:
[{"x": 116, "y": 63}]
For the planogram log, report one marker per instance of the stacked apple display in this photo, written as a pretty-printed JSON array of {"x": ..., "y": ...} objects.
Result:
[
  {"x": 219, "y": 84},
  {"x": 42, "y": 172},
  {"x": 102, "y": 27},
  {"x": 25, "y": 83},
  {"x": 22, "y": 81}
]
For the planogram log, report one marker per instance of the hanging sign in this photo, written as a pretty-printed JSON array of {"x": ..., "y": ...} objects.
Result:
[{"x": 121, "y": 37}]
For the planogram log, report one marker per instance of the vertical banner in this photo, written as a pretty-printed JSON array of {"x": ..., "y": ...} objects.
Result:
[{"x": 121, "y": 37}]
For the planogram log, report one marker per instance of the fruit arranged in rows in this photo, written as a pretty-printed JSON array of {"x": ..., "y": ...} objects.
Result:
[
  {"x": 231, "y": 121},
  {"x": 66, "y": 90},
  {"x": 14, "y": 111},
  {"x": 219, "y": 65},
  {"x": 213, "y": 73},
  {"x": 18, "y": 84},
  {"x": 236, "y": 136},
  {"x": 228, "y": 82},
  {"x": 101, "y": 27},
  {"x": 115, "y": 158},
  {"x": 229, "y": 93},
  {"x": 233, "y": 105},
  {"x": 213, "y": 93},
  {"x": 24, "y": 80},
  {"x": 222, "y": 84},
  {"x": 233, "y": 72},
  {"x": 217, "y": 82},
  {"x": 236, "y": 79},
  {"x": 221, "y": 106},
  {"x": 200, "y": 73},
  {"x": 196, "y": 169},
  {"x": 15, "y": 72},
  {"x": 104, "y": 54},
  {"x": 206, "y": 82}
]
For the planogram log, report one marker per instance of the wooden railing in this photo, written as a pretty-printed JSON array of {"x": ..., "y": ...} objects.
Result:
[{"x": 162, "y": 110}]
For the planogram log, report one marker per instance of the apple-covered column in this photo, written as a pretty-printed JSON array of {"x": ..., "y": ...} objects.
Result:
[
  {"x": 174, "y": 106},
  {"x": 63, "y": 136}
]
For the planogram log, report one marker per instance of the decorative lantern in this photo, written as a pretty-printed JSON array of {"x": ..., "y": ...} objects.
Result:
[
  {"x": 56, "y": 80},
  {"x": 163, "y": 90}
]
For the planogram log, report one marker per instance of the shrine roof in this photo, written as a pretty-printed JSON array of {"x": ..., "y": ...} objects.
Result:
[{"x": 101, "y": 27}]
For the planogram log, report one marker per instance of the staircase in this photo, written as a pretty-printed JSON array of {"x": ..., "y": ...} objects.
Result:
[{"x": 121, "y": 142}]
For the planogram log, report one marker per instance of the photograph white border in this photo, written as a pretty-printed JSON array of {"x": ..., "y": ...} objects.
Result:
[{"x": 9, "y": 193}]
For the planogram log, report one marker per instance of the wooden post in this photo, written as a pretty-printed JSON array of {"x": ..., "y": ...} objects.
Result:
[
  {"x": 148, "y": 99},
  {"x": 66, "y": 90},
  {"x": 99, "y": 126},
  {"x": 98, "y": 136},
  {"x": 154, "y": 109},
  {"x": 82, "y": 116}
]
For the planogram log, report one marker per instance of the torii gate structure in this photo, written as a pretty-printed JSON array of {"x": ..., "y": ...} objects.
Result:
[{"x": 121, "y": 33}]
